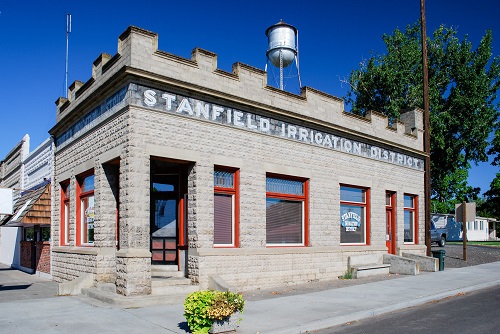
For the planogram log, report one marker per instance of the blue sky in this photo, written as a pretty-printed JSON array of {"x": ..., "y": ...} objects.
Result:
[{"x": 334, "y": 36}]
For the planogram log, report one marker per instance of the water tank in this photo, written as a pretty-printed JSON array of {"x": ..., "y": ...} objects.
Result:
[{"x": 281, "y": 38}]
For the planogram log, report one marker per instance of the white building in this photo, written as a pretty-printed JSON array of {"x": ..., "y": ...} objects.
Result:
[{"x": 24, "y": 235}]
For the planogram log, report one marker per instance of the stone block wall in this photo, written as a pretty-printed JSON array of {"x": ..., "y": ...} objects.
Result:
[
  {"x": 133, "y": 276},
  {"x": 68, "y": 266},
  {"x": 90, "y": 152},
  {"x": 176, "y": 137}
]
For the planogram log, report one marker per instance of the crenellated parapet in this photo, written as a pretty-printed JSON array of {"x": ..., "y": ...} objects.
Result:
[{"x": 138, "y": 56}]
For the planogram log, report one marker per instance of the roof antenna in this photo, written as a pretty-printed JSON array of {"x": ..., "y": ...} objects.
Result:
[{"x": 68, "y": 30}]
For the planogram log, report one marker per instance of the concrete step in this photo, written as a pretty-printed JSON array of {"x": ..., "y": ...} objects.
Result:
[
  {"x": 170, "y": 281},
  {"x": 169, "y": 290},
  {"x": 175, "y": 296},
  {"x": 373, "y": 269},
  {"x": 168, "y": 286},
  {"x": 111, "y": 287},
  {"x": 158, "y": 271}
]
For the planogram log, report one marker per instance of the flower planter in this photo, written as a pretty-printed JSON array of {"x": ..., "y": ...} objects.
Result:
[{"x": 227, "y": 324}]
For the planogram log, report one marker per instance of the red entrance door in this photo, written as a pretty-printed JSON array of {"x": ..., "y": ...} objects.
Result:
[
  {"x": 390, "y": 229},
  {"x": 388, "y": 232}
]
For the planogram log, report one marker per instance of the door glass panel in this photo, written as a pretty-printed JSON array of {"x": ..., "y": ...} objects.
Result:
[
  {"x": 165, "y": 219},
  {"x": 165, "y": 183},
  {"x": 162, "y": 186},
  {"x": 388, "y": 226}
]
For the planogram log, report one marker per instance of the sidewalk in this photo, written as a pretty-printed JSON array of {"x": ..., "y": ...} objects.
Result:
[{"x": 287, "y": 314}]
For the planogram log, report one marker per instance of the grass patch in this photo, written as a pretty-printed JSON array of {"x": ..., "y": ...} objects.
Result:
[
  {"x": 347, "y": 275},
  {"x": 477, "y": 243}
]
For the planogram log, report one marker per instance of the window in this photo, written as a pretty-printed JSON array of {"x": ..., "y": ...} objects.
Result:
[
  {"x": 29, "y": 234},
  {"x": 85, "y": 210},
  {"x": 410, "y": 216},
  {"x": 481, "y": 225},
  {"x": 286, "y": 211},
  {"x": 226, "y": 207},
  {"x": 64, "y": 219},
  {"x": 475, "y": 225},
  {"x": 45, "y": 233},
  {"x": 354, "y": 217}
]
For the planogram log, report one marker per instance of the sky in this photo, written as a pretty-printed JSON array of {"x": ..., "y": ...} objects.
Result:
[{"x": 334, "y": 37}]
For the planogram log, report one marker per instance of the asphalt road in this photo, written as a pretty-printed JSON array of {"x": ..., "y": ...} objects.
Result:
[{"x": 476, "y": 312}]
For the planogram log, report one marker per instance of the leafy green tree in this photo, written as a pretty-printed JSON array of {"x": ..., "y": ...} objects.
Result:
[
  {"x": 491, "y": 207},
  {"x": 463, "y": 83}
]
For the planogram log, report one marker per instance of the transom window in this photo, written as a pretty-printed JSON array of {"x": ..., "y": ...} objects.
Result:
[
  {"x": 226, "y": 207},
  {"x": 286, "y": 211},
  {"x": 354, "y": 219}
]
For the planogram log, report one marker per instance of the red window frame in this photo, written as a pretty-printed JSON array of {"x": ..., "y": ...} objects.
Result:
[
  {"x": 414, "y": 211},
  {"x": 64, "y": 214},
  {"x": 235, "y": 193},
  {"x": 366, "y": 205},
  {"x": 80, "y": 196},
  {"x": 304, "y": 198}
]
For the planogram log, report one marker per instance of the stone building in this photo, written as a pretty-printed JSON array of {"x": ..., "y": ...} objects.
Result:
[{"x": 167, "y": 163}]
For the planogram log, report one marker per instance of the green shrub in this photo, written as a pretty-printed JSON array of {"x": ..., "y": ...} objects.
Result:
[
  {"x": 196, "y": 308},
  {"x": 201, "y": 308},
  {"x": 347, "y": 275}
]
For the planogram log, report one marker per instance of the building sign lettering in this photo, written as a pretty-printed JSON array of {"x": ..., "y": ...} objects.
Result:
[
  {"x": 92, "y": 118},
  {"x": 351, "y": 221},
  {"x": 144, "y": 96},
  {"x": 212, "y": 112}
]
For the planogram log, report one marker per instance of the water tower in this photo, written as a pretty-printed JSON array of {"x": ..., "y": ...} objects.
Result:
[{"x": 283, "y": 48}]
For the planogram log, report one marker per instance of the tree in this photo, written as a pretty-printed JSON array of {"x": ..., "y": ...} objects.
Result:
[
  {"x": 491, "y": 206},
  {"x": 463, "y": 84}
]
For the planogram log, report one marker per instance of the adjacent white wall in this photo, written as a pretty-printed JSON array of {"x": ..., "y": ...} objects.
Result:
[{"x": 10, "y": 247}]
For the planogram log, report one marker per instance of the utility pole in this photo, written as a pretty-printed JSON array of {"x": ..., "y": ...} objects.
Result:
[
  {"x": 464, "y": 232},
  {"x": 68, "y": 30},
  {"x": 427, "y": 127}
]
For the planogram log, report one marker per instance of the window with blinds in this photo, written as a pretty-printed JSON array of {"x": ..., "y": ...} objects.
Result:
[
  {"x": 226, "y": 205},
  {"x": 286, "y": 211}
]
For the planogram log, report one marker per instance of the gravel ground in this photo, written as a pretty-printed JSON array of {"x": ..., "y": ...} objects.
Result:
[
  {"x": 453, "y": 259},
  {"x": 475, "y": 255}
]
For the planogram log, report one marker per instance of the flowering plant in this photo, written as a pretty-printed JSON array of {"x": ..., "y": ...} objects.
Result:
[{"x": 202, "y": 308}]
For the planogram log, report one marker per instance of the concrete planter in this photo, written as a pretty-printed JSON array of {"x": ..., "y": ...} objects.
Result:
[{"x": 227, "y": 324}]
